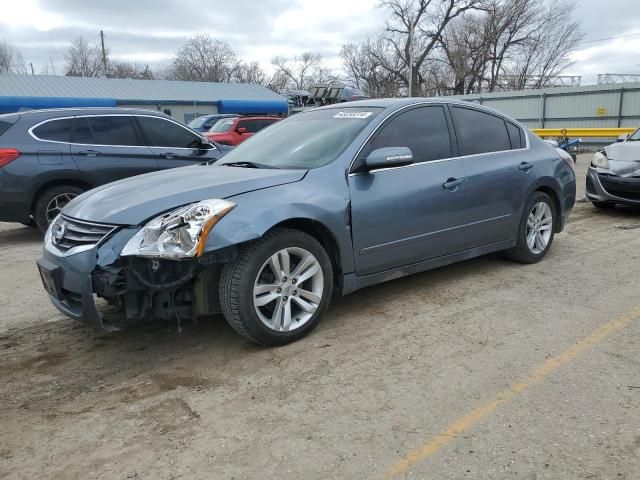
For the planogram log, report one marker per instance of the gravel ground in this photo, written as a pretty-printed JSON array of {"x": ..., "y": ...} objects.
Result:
[{"x": 387, "y": 370}]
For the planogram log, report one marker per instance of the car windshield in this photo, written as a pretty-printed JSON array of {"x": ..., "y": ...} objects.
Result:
[
  {"x": 198, "y": 122},
  {"x": 222, "y": 126},
  {"x": 306, "y": 140},
  {"x": 635, "y": 136}
]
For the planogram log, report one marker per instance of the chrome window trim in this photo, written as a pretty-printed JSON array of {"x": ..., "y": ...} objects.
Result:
[
  {"x": 35, "y": 137},
  {"x": 435, "y": 104}
]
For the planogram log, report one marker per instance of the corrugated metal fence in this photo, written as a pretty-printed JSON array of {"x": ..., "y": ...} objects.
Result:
[{"x": 596, "y": 106}]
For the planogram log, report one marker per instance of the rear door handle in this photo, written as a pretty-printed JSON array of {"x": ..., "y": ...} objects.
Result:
[
  {"x": 168, "y": 155},
  {"x": 525, "y": 166},
  {"x": 89, "y": 153},
  {"x": 453, "y": 183}
]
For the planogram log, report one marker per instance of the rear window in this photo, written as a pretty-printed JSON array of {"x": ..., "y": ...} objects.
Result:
[
  {"x": 515, "y": 136},
  {"x": 479, "y": 132},
  {"x": 55, "y": 130}
]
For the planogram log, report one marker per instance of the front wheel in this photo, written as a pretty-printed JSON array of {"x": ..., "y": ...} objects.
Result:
[
  {"x": 535, "y": 233},
  {"x": 278, "y": 288},
  {"x": 51, "y": 202}
]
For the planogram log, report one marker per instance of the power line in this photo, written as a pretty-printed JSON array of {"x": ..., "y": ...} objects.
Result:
[{"x": 610, "y": 38}]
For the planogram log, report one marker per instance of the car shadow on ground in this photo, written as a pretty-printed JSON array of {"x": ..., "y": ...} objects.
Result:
[{"x": 20, "y": 234}]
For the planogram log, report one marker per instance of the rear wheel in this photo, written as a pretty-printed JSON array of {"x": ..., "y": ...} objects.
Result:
[
  {"x": 51, "y": 202},
  {"x": 535, "y": 234},
  {"x": 278, "y": 287}
]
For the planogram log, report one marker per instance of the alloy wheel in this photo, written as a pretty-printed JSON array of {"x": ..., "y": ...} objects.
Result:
[
  {"x": 288, "y": 289},
  {"x": 57, "y": 203},
  {"x": 539, "y": 227}
]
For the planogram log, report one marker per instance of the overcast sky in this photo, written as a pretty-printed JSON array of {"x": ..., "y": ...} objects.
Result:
[{"x": 150, "y": 31}]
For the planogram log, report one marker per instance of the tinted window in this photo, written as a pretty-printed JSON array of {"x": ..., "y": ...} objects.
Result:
[
  {"x": 264, "y": 123},
  {"x": 82, "y": 132},
  {"x": 163, "y": 133},
  {"x": 250, "y": 125},
  {"x": 56, "y": 130},
  {"x": 515, "y": 135},
  {"x": 114, "y": 131},
  {"x": 424, "y": 130},
  {"x": 479, "y": 132},
  {"x": 222, "y": 126}
]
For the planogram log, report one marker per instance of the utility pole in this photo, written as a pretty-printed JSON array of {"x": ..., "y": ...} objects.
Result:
[
  {"x": 32, "y": 73},
  {"x": 104, "y": 55},
  {"x": 410, "y": 57}
]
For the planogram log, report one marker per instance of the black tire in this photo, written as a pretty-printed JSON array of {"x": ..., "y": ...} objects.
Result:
[
  {"x": 521, "y": 252},
  {"x": 30, "y": 224},
  {"x": 40, "y": 207},
  {"x": 238, "y": 278},
  {"x": 603, "y": 205}
]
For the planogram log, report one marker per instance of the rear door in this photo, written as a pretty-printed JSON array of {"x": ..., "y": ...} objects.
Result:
[
  {"x": 110, "y": 147},
  {"x": 174, "y": 145},
  {"x": 498, "y": 172},
  {"x": 403, "y": 215}
]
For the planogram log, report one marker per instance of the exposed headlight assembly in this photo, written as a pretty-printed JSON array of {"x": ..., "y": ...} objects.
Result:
[
  {"x": 600, "y": 160},
  {"x": 180, "y": 233}
]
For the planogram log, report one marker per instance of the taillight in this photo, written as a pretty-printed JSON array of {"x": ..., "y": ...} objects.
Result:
[{"x": 8, "y": 155}]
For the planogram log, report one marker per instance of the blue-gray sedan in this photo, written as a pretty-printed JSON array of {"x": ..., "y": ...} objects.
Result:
[{"x": 328, "y": 201}]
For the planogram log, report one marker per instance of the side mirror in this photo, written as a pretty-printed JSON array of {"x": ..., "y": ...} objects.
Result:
[
  {"x": 388, "y": 157},
  {"x": 205, "y": 143},
  {"x": 241, "y": 130}
]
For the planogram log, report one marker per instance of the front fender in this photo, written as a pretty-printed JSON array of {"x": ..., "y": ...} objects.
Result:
[{"x": 259, "y": 211}]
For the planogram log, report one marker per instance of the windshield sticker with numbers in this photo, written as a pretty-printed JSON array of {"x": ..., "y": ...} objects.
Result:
[{"x": 352, "y": 114}]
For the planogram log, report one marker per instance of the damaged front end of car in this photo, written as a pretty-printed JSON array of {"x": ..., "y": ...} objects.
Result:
[{"x": 159, "y": 270}]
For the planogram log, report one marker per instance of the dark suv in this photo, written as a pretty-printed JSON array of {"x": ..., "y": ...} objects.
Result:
[{"x": 47, "y": 157}]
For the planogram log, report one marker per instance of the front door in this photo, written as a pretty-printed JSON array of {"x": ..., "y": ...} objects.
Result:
[
  {"x": 407, "y": 214},
  {"x": 109, "y": 147},
  {"x": 173, "y": 144}
]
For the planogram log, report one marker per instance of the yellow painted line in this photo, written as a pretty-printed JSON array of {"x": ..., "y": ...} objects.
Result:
[
  {"x": 582, "y": 132},
  {"x": 464, "y": 423}
]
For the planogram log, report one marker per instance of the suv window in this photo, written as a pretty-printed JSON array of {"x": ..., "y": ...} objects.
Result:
[
  {"x": 118, "y": 131},
  {"x": 516, "y": 136},
  {"x": 163, "y": 133},
  {"x": 479, "y": 132},
  {"x": 55, "y": 130},
  {"x": 250, "y": 125},
  {"x": 265, "y": 123},
  {"x": 424, "y": 130}
]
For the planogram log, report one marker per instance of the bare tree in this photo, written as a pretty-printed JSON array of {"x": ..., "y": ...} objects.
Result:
[
  {"x": 83, "y": 60},
  {"x": 249, "y": 73},
  {"x": 365, "y": 70},
  {"x": 299, "y": 72},
  {"x": 414, "y": 32},
  {"x": 11, "y": 60},
  {"x": 203, "y": 59},
  {"x": 130, "y": 70}
]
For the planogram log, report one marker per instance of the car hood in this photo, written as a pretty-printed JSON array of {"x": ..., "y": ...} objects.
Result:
[
  {"x": 624, "y": 158},
  {"x": 136, "y": 199}
]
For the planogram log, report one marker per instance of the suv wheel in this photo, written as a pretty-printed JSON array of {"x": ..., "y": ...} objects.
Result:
[
  {"x": 535, "y": 234},
  {"x": 278, "y": 288},
  {"x": 51, "y": 202}
]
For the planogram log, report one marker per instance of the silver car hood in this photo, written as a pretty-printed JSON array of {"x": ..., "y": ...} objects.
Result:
[{"x": 624, "y": 158}]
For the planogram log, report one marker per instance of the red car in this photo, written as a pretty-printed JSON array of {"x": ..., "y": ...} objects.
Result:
[{"x": 232, "y": 131}]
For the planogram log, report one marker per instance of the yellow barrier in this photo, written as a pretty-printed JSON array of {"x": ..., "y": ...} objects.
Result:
[{"x": 582, "y": 132}]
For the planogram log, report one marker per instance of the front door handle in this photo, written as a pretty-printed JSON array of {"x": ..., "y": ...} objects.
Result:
[
  {"x": 168, "y": 155},
  {"x": 525, "y": 166},
  {"x": 453, "y": 183},
  {"x": 89, "y": 153}
]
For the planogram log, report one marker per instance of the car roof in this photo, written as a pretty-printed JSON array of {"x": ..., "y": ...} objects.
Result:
[
  {"x": 395, "y": 103},
  {"x": 65, "y": 112}
]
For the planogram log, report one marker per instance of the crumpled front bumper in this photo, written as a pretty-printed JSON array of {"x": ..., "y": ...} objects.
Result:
[
  {"x": 70, "y": 283},
  {"x": 603, "y": 187}
]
